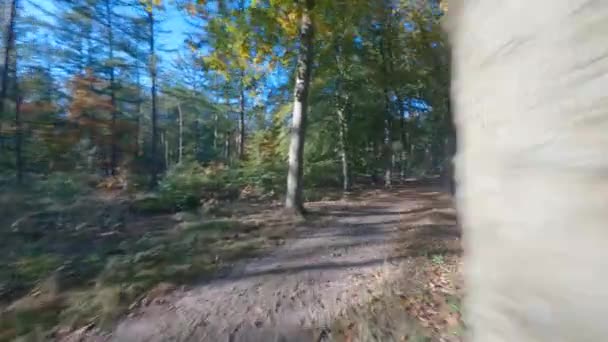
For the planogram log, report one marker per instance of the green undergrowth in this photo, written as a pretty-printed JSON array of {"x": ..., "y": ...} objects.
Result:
[
  {"x": 87, "y": 265},
  {"x": 185, "y": 186}
]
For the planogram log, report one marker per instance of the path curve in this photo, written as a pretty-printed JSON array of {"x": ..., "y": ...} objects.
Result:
[{"x": 293, "y": 294}]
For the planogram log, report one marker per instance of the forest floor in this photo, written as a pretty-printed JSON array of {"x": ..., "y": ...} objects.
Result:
[{"x": 378, "y": 266}]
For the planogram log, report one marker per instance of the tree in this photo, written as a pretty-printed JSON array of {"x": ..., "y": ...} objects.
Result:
[
  {"x": 149, "y": 9},
  {"x": 377, "y": 98},
  {"x": 227, "y": 35},
  {"x": 153, "y": 76},
  {"x": 109, "y": 25},
  {"x": 9, "y": 51},
  {"x": 10, "y": 62},
  {"x": 293, "y": 197},
  {"x": 342, "y": 75}
]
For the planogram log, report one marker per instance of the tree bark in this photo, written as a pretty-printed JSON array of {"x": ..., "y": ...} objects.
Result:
[
  {"x": 404, "y": 142},
  {"x": 531, "y": 167},
  {"x": 293, "y": 199},
  {"x": 384, "y": 50},
  {"x": 138, "y": 148},
  {"x": 154, "y": 115},
  {"x": 113, "y": 143},
  {"x": 197, "y": 137},
  {"x": 343, "y": 131},
  {"x": 227, "y": 147},
  {"x": 215, "y": 131},
  {"x": 165, "y": 144},
  {"x": 342, "y": 104},
  {"x": 18, "y": 138},
  {"x": 9, "y": 47},
  {"x": 180, "y": 146},
  {"x": 9, "y": 51},
  {"x": 241, "y": 142},
  {"x": 387, "y": 147}
]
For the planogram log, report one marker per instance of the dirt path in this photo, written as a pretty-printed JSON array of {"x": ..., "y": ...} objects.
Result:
[{"x": 292, "y": 294}]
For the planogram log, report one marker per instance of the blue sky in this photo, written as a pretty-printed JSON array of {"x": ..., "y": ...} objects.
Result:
[
  {"x": 173, "y": 31},
  {"x": 175, "y": 25}
]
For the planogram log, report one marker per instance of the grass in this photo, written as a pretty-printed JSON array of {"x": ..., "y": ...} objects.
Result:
[{"x": 89, "y": 263}]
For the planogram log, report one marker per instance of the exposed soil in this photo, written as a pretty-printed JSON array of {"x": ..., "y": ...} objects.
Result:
[{"x": 297, "y": 292}]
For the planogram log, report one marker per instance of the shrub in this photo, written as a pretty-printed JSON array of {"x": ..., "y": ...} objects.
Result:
[
  {"x": 267, "y": 176},
  {"x": 184, "y": 185},
  {"x": 62, "y": 186},
  {"x": 322, "y": 173}
]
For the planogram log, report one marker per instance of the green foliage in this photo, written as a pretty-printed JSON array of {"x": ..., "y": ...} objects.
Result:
[
  {"x": 64, "y": 187},
  {"x": 73, "y": 268},
  {"x": 438, "y": 259},
  {"x": 30, "y": 269},
  {"x": 322, "y": 173},
  {"x": 455, "y": 303},
  {"x": 269, "y": 177},
  {"x": 152, "y": 204},
  {"x": 183, "y": 256},
  {"x": 266, "y": 167},
  {"x": 185, "y": 185},
  {"x": 182, "y": 185}
]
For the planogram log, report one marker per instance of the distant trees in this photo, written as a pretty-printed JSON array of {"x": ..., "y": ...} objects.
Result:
[{"x": 308, "y": 93}]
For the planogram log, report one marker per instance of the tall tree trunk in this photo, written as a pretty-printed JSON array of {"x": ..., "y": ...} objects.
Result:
[
  {"x": 138, "y": 149},
  {"x": 139, "y": 146},
  {"x": 241, "y": 117},
  {"x": 18, "y": 138},
  {"x": 386, "y": 59},
  {"x": 404, "y": 142},
  {"x": 153, "y": 73},
  {"x": 9, "y": 47},
  {"x": 388, "y": 141},
  {"x": 9, "y": 51},
  {"x": 343, "y": 132},
  {"x": 197, "y": 139},
  {"x": 342, "y": 104},
  {"x": 113, "y": 142},
  {"x": 227, "y": 147},
  {"x": 293, "y": 199},
  {"x": 180, "y": 146},
  {"x": 390, "y": 67},
  {"x": 164, "y": 143},
  {"x": 228, "y": 134},
  {"x": 215, "y": 131},
  {"x": 241, "y": 134}
]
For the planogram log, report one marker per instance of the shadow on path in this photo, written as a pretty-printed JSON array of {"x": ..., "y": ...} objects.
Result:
[{"x": 295, "y": 293}]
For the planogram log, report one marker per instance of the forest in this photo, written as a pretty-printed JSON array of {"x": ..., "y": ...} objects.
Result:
[{"x": 121, "y": 118}]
